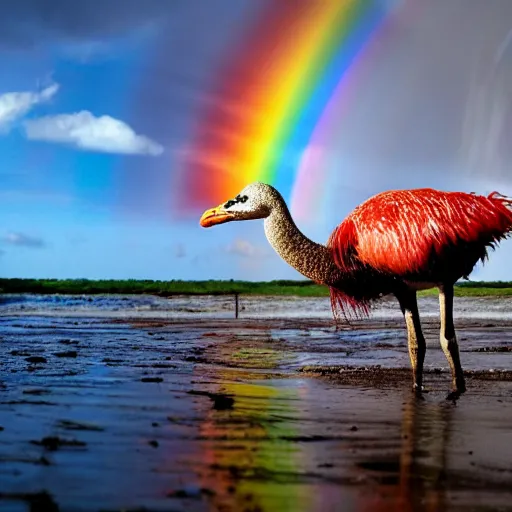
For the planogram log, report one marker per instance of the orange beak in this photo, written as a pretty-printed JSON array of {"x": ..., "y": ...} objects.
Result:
[{"x": 215, "y": 216}]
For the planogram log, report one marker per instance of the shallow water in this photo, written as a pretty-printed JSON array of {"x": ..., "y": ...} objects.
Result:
[
  {"x": 380, "y": 340},
  {"x": 184, "y": 411},
  {"x": 148, "y": 306}
]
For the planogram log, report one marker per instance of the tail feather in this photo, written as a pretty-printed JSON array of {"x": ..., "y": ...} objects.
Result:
[
  {"x": 347, "y": 308},
  {"x": 342, "y": 244},
  {"x": 505, "y": 200}
]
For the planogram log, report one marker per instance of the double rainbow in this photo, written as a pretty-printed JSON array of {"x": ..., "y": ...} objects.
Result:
[{"x": 273, "y": 94}]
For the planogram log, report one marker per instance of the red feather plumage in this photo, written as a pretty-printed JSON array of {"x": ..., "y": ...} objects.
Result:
[{"x": 421, "y": 235}]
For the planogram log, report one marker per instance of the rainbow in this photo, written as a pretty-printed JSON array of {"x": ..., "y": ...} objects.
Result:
[{"x": 274, "y": 91}]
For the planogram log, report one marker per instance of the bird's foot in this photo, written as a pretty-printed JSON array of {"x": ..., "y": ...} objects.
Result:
[
  {"x": 459, "y": 387},
  {"x": 418, "y": 390},
  {"x": 453, "y": 395},
  {"x": 457, "y": 392}
]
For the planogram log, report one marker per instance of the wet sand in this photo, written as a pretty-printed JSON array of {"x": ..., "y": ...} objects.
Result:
[{"x": 136, "y": 413}]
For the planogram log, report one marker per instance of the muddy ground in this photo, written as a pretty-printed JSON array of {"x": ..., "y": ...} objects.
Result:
[{"x": 136, "y": 413}]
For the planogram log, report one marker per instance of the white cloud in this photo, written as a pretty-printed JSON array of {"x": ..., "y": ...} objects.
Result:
[
  {"x": 23, "y": 240},
  {"x": 85, "y": 131},
  {"x": 14, "y": 105},
  {"x": 245, "y": 249}
]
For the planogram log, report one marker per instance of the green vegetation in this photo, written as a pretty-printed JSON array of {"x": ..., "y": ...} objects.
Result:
[
  {"x": 480, "y": 289},
  {"x": 162, "y": 288},
  {"x": 303, "y": 288},
  {"x": 168, "y": 288}
]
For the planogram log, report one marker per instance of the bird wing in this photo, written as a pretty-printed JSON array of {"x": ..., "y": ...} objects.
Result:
[{"x": 396, "y": 232}]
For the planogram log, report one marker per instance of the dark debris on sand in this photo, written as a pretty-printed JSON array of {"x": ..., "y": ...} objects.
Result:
[
  {"x": 67, "y": 353},
  {"x": 78, "y": 425},
  {"x": 69, "y": 342},
  {"x": 28, "y": 402},
  {"x": 38, "y": 501},
  {"x": 36, "y": 392},
  {"x": 22, "y": 353},
  {"x": 221, "y": 402},
  {"x": 36, "y": 359},
  {"x": 151, "y": 379},
  {"x": 53, "y": 443},
  {"x": 191, "y": 493}
]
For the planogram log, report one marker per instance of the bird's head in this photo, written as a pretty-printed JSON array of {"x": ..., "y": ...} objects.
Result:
[{"x": 254, "y": 202}]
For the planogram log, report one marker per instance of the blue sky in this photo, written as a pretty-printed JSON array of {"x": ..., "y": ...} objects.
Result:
[{"x": 98, "y": 100}]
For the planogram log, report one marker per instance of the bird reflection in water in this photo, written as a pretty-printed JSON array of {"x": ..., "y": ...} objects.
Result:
[{"x": 415, "y": 479}]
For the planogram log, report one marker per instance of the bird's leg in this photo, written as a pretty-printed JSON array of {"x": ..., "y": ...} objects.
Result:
[
  {"x": 449, "y": 340},
  {"x": 415, "y": 339}
]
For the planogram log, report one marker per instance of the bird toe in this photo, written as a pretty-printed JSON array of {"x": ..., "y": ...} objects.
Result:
[
  {"x": 418, "y": 390},
  {"x": 453, "y": 395}
]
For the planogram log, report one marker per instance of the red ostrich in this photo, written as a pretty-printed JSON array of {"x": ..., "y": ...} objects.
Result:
[{"x": 396, "y": 242}]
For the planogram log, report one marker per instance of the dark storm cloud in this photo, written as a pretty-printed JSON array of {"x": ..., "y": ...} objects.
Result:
[
  {"x": 436, "y": 96},
  {"x": 23, "y": 23},
  {"x": 180, "y": 78}
]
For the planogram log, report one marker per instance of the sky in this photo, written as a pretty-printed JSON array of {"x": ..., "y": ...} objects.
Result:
[{"x": 99, "y": 102}]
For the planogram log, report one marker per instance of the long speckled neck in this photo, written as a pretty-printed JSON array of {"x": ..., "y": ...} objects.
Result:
[{"x": 307, "y": 257}]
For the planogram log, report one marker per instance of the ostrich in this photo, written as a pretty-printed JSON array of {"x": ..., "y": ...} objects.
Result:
[{"x": 397, "y": 242}]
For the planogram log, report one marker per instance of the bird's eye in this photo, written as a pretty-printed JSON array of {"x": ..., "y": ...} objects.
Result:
[{"x": 243, "y": 199}]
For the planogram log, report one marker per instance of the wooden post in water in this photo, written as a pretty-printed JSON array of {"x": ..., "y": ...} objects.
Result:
[{"x": 236, "y": 305}]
